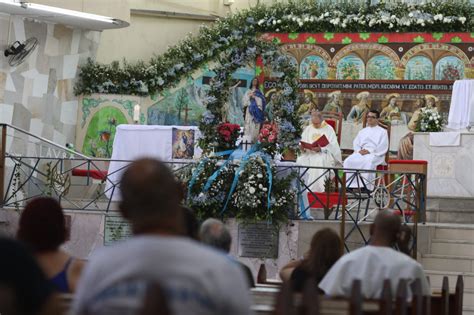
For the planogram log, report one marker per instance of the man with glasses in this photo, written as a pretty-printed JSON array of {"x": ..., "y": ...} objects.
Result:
[{"x": 370, "y": 147}]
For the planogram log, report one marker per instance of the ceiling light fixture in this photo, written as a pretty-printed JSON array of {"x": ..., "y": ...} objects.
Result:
[{"x": 60, "y": 12}]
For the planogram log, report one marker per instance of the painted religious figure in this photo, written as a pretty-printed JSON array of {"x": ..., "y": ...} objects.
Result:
[
  {"x": 360, "y": 109},
  {"x": 182, "y": 144},
  {"x": 431, "y": 101},
  {"x": 333, "y": 104},
  {"x": 309, "y": 103},
  {"x": 271, "y": 95},
  {"x": 254, "y": 109},
  {"x": 391, "y": 111},
  {"x": 405, "y": 147}
]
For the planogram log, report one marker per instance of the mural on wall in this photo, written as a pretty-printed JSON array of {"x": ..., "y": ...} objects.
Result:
[
  {"x": 313, "y": 67},
  {"x": 350, "y": 68},
  {"x": 185, "y": 105},
  {"x": 449, "y": 68},
  {"x": 352, "y": 72},
  {"x": 99, "y": 115},
  {"x": 380, "y": 68},
  {"x": 419, "y": 68},
  {"x": 101, "y": 132}
]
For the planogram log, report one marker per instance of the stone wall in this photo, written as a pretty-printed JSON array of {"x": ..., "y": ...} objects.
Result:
[{"x": 38, "y": 94}]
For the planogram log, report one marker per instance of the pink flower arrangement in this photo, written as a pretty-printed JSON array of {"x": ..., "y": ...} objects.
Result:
[{"x": 268, "y": 133}]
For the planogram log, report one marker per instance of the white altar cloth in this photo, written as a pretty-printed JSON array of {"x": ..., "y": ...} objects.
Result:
[
  {"x": 445, "y": 139},
  {"x": 135, "y": 141},
  {"x": 461, "y": 111}
]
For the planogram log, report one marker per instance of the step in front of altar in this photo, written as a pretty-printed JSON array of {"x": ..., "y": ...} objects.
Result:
[{"x": 450, "y": 210}]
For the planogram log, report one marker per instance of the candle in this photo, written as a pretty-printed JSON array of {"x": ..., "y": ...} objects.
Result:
[{"x": 136, "y": 113}]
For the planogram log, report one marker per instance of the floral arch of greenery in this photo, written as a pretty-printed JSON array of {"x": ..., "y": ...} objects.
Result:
[
  {"x": 285, "y": 104},
  {"x": 167, "y": 70},
  {"x": 249, "y": 190}
]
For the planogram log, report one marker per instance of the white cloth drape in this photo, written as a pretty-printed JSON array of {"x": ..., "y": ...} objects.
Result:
[
  {"x": 461, "y": 112},
  {"x": 445, "y": 139},
  {"x": 136, "y": 141}
]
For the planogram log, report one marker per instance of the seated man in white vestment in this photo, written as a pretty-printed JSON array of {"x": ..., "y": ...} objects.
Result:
[
  {"x": 370, "y": 147},
  {"x": 328, "y": 156},
  {"x": 374, "y": 263}
]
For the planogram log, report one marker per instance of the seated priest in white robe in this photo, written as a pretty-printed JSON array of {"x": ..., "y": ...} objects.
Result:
[
  {"x": 370, "y": 147},
  {"x": 375, "y": 262},
  {"x": 327, "y": 156}
]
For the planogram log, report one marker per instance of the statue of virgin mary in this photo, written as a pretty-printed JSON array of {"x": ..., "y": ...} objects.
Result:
[{"x": 254, "y": 108}]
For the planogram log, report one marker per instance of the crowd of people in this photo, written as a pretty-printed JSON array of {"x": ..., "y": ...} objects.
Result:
[{"x": 173, "y": 264}]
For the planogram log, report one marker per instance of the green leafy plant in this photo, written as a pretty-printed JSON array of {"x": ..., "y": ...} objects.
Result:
[{"x": 167, "y": 70}]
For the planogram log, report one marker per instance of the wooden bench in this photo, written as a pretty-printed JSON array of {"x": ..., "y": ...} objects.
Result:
[{"x": 287, "y": 302}]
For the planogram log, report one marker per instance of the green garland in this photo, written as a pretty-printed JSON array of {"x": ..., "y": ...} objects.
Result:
[{"x": 167, "y": 70}]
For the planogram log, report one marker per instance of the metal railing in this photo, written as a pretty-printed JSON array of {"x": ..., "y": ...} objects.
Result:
[{"x": 31, "y": 166}]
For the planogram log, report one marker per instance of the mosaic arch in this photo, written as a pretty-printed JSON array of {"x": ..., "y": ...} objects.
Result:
[
  {"x": 301, "y": 51},
  {"x": 419, "y": 68},
  {"x": 449, "y": 68},
  {"x": 380, "y": 67},
  {"x": 350, "y": 68},
  {"x": 313, "y": 67},
  {"x": 354, "y": 48},
  {"x": 425, "y": 48}
]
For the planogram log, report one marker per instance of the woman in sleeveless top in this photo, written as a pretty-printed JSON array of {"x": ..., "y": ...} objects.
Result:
[
  {"x": 42, "y": 228},
  {"x": 325, "y": 250}
]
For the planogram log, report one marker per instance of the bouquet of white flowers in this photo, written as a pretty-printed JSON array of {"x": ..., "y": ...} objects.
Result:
[{"x": 430, "y": 120}]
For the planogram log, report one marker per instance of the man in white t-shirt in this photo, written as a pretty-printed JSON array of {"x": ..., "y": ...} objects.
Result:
[
  {"x": 375, "y": 263},
  {"x": 195, "y": 279}
]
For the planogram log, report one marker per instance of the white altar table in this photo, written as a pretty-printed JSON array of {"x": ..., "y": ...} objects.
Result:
[
  {"x": 450, "y": 166},
  {"x": 136, "y": 141}
]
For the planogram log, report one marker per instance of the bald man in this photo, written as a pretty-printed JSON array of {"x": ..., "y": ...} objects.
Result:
[
  {"x": 214, "y": 233},
  {"x": 328, "y": 156},
  {"x": 374, "y": 263}
]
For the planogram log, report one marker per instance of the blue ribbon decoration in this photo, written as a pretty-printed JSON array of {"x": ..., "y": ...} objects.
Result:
[
  {"x": 200, "y": 167},
  {"x": 243, "y": 161},
  {"x": 213, "y": 177},
  {"x": 266, "y": 158}
]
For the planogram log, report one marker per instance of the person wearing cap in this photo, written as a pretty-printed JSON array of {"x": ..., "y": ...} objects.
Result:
[
  {"x": 360, "y": 109},
  {"x": 333, "y": 104}
]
